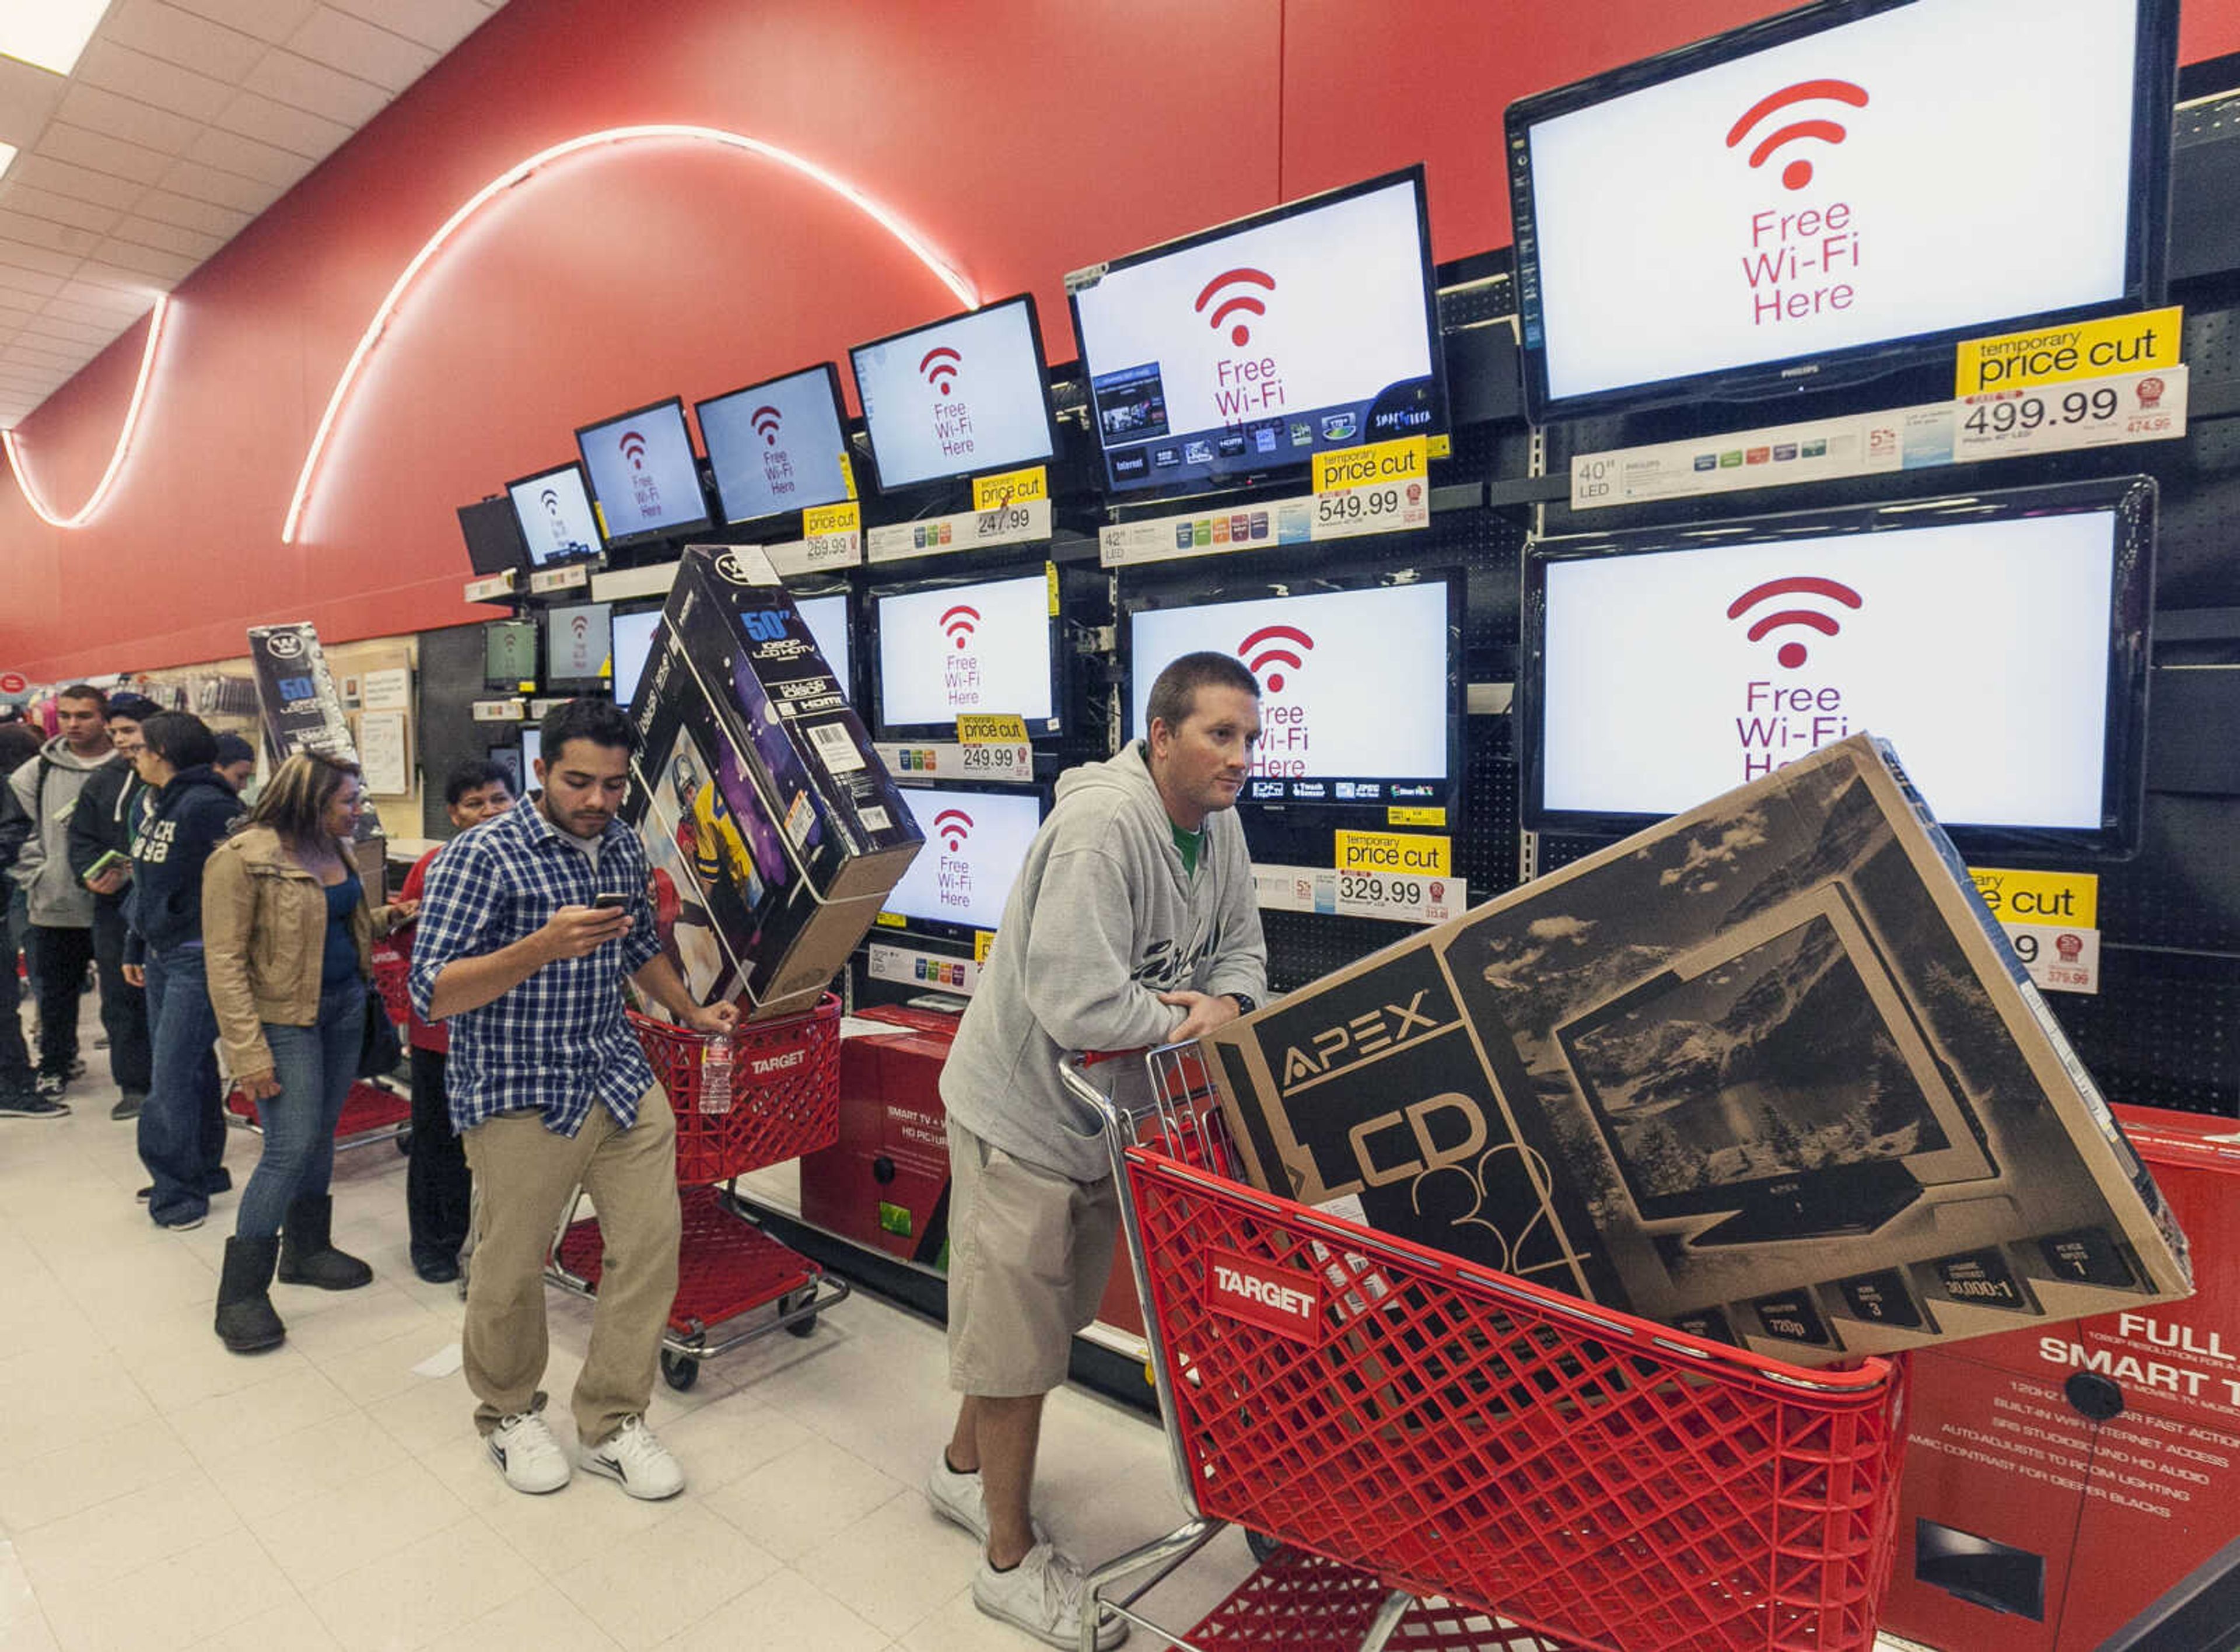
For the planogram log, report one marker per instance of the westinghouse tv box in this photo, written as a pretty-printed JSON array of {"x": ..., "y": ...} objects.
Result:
[
  {"x": 1767, "y": 1072},
  {"x": 773, "y": 831}
]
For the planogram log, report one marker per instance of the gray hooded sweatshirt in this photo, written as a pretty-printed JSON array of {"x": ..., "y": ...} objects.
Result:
[
  {"x": 57, "y": 900},
  {"x": 1101, "y": 921}
]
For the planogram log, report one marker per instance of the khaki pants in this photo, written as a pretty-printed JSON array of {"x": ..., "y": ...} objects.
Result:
[{"x": 524, "y": 1176}]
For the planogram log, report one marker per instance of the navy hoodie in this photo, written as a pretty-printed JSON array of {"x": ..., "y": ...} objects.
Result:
[{"x": 192, "y": 814}]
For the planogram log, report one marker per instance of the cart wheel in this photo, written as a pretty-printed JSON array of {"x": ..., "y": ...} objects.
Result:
[
  {"x": 805, "y": 1325},
  {"x": 680, "y": 1371},
  {"x": 404, "y": 1144},
  {"x": 1263, "y": 1548}
]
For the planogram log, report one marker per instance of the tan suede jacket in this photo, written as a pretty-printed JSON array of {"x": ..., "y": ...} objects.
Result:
[{"x": 264, "y": 924}]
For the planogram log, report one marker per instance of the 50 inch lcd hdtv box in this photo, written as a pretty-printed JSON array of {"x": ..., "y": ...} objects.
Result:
[{"x": 1767, "y": 1072}]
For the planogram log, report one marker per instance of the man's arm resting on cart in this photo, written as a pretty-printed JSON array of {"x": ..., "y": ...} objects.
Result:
[{"x": 659, "y": 981}]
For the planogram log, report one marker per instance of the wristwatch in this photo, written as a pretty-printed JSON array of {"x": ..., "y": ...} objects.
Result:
[{"x": 1246, "y": 1003}]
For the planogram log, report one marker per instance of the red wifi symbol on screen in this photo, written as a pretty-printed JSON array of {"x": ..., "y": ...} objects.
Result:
[
  {"x": 1792, "y": 654},
  {"x": 1241, "y": 334},
  {"x": 940, "y": 367},
  {"x": 765, "y": 420},
  {"x": 953, "y": 826},
  {"x": 960, "y": 623},
  {"x": 1275, "y": 645},
  {"x": 1798, "y": 172},
  {"x": 633, "y": 447},
  {"x": 581, "y": 626}
]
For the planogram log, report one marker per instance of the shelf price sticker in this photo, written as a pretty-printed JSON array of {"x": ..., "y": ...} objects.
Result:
[
  {"x": 832, "y": 534},
  {"x": 1397, "y": 898},
  {"x": 1010, "y": 488},
  {"x": 1399, "y": 852},
  {"x": 994, "y": 746},
  {"x": 2051, "y": 919},
  {"x": 1383, "y": 487},
  {"x": 981, "y": 940},
  {"x": 2081, "y": 413}
]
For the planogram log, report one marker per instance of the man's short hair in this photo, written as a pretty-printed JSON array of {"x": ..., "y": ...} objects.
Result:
[
  {"x": 180, "y": 738},
  {"x": 601, "y": 722},
  {"x": 232, "y": 748},
  {"x": 472, "y": 775},
  {"x": 138, "y": 707},
  {"x": 86, "y": 691},
  {"x": 1174, "y": 692}
]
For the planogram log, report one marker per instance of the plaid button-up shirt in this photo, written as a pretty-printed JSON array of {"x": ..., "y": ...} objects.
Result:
[{"x": 557, "y": 1042}]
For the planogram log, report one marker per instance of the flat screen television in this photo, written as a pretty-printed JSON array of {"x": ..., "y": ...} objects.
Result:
[
  {"x": 778, "y": 446},
  {"x": 958, "y": 397},
  {"x": 532, "y": 748},
  {"x": 510, "y": 654},
  {"x": 554, "y": 509},
  {"x": 828, "y": 620},
  {"x": 493, "y": 536},
  {"x": 508, "y": 758},
  {"x": 1838, "y": 192},
  {"x": 1243, "y": 350},
  {"x": 633, "y": 644},
  {"x": 955, "y": 646},
  {"x": 1775, "y": 1075},
  {"x": 643, "y": 474},
  {"x": 579, "y": 648},
  {"x": 1998, "y": 641},
  {"x": 1359, "y": 695},
  {"x": 975, "y": 842}
]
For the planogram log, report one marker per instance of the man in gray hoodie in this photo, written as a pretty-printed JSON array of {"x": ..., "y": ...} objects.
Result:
[{"x": 1133, "y": 922}]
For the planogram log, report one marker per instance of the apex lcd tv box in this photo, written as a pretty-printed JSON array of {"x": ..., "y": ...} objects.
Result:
[
  {"x": 758, "y": 795},
  {"x": 1767, "y": 1072}
]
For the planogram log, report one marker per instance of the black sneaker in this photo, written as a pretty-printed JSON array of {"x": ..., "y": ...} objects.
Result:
[
  {"x": 24, "y": 1103},
  {"x": 52, "y": 1086},
  {"x": 128, "y": 1105}
]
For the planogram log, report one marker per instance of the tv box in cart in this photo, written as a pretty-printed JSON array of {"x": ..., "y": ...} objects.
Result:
[
  {"x": 1767, "y": 1072},
  {"x": 773, "y": 831}
]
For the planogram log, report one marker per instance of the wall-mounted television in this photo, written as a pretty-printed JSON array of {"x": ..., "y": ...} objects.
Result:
[
  {"x": 507, "y": 759},
  {"x": 643, "y": 474},
  {"x": 1837, "y": 192},
  {"x": 532, "y": 748},
  {"x": 1998, "y": 641},
  {"x": 1243, "y": 350},
  {"x": 493, "y": 536},
  {"x": 778, "y": 446},
  {"x": 579, "y": 648},
  {"x": 975, "y": 842},
  {"x": 633, "y": 644},
  {"x": 554, "y": 509},
  {"x": 957, "y": 398},
  {"x": 952, "y": 646},
  {"x": 830, "y": 623},
  {"x": 1359, "y": 696},
  {"x": 510, "y": 654}
]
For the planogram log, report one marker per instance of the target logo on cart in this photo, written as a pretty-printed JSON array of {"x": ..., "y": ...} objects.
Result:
[{"x": 1274, "y": 1299}]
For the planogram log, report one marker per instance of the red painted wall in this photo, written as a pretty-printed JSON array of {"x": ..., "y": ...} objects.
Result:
[{"x": 1038, "y": 140}]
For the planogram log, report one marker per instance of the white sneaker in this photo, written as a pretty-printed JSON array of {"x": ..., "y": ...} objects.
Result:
[
  {"x": 961, "y": 1499},
  {"x": 527, "y": 1454},
  {"x": 640, "y": 1463},
  {"x": 1042, "y": 1594}
]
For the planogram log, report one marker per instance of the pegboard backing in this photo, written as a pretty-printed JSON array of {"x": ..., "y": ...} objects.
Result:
[{"x": 2163, "y": 1031}]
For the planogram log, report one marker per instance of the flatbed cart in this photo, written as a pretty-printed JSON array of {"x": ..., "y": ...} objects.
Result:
[
  {"x": 765, "y": 1094},
  {"x": 376, "y": 1110},
  {"x": 1581, "y": 1477}
]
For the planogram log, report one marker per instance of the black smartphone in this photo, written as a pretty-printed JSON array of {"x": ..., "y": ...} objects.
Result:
[{"x": 609, "y": 902}]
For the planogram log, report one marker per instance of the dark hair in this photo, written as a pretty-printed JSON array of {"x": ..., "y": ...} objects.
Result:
[
  {"x": 294, "y": 802},
  {"x": 19, "y": 744},
  {"x": 601, "y": 722},
  {"x": 1173, "y": 693},
  {"x": 472, "y": 775},
  {"x": 231, "y": 748},
  {"x": 180, "y": 738},
  {"x": 86, "y": 691},
  {"x": 138, "y": 707}
]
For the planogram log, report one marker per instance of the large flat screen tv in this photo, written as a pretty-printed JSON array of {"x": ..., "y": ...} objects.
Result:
[
  {"x": 579, "y": 648},
  {"x": 510, "y": 654},
  {"x": 633, "y": 640},
  {"x": 554, "y": 509},
  {"x": 957, "y": 398},
  {"x": 778, "y": 446},
  {"x": 1999, "y": 641},
  {"x": 1359, "y": 696},
  {"x": 953, "y": 646},
  {"x": 975, "y": 842},
  {"x": 1837, "y": 192},
  {"x": 493, "y": 536},
  {"x": 1241, "y": 350},
  {"x": 643, "y": 474}
]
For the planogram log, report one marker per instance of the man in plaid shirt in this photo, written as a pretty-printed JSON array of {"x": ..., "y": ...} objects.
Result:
[{"x": 529, "y": 924}]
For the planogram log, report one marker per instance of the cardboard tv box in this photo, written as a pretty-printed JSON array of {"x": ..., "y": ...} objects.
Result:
[
  {"x": 1767, "y": 1072},
  {"x": 2064, "y": 1483},
  {"x": 773, "y": 831}
]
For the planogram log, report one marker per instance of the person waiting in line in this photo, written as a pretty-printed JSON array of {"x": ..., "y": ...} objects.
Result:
[
  {"x": 531, "y": 923},
  {"x": 101, "y": 827},
  {"x": 19, "y": 1098},
  {"x": 287, "y": 949},
  {"x": 236, "y": 762},
  {"x": 1132, "y": 923},
  {"x": 183, "y": 1125},
  {"x": 437, "y": 1187}
]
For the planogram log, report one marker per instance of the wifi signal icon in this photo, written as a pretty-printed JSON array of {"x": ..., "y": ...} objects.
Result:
[
  {"x": 1241, "y": 334},
  {"x": 551, "y": 498},
  {"x": 633, "y": 447},
  {"x": 953, "y": 826},
  {"x": 940, "y": 366},
  {"x": 1798, "y": 172},
  {"x": 1269, "y": 643},
  {"x": 960, "y": 623},
  {"x": 766, "y": 421},
  {"x": 1792, "y": 654},
  {"x": 581, "y": 626}
]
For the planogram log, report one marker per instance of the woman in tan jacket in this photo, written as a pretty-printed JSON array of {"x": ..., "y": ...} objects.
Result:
[{"x": 287, "y": 944}]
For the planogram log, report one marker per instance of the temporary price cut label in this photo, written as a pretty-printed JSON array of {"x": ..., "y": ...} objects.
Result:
[
  {"x": 991, "y": 729},
  {"x": 1395, "y": 852},
  {"x": 1382, "y": 488},
  {"x": 2050, "y": 918},
  {"x": 1010, "y": 488},
  {"x": 2144, "y": 342}
]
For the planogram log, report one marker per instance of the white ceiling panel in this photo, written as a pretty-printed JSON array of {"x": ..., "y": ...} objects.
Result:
[
  {"x": 192, "y": 243},
  {"x": 126, "y": 117},
  {"x": 101, "y": 300},
  {"x": 162, "y": 31},
  {"x": 162, "y": 205},
  {"x": 79, "y": 182},
  {"x": 68, "y": 332},
  {"x": 91, "y": 315},
  {"x": 27, "y": 97},
  {"x": 269, "y": 20},
  {"x": 40, "y": 260},
  {"x": 436, "y": 24},
  {"x": 18, "y": 197},
  {"x": 358, "y": 48},
  {"x": 103, "y": 153},
  {"x": 18, "y": 227},
  {"x": 316, "y": 88},
  {"x": 34, "y": 283},
  {"x": 152, "y": 80},
  {"x": 295, "y": 130},
  {"x": 273, "y": 167},
  {"x": 168, "y": 268},
  {"x": 202, "y": 183}
]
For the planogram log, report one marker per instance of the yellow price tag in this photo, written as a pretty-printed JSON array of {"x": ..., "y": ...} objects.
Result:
[
  {"x": 847, "y": 517},
  {"x": 1395, "y": 852},
  {"x": 1050, "y": 575},
  {"x": 2135, "y": 344},
  {"x": 1376, "y": 466},
  {"x": 991, "y": 729},
  {"x": 890, "y": 920},
  {"x": 2040, "y": 897},
  {"x": 1010, "y": 488},
  {"x": 981, "y": 940},
  {"x": 848, "y": 474},
  {"x": 1397, "y": 815},
  {"x": 1442, "y": 447}
]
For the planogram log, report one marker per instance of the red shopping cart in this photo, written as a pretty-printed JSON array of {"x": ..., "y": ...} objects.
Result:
[
  {"x": 1573, "y": 1475},
  {"x": 765, "y": 1094},
  {"x": 376, "y": 1109}
]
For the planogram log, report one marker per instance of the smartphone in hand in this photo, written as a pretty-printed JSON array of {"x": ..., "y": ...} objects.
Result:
[{"x": 611, "y": 902}]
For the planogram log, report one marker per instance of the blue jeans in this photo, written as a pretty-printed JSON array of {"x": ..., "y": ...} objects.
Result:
[
  {"x": 316, "y": 1066},
  {"x": 182, "y": 1124}
]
